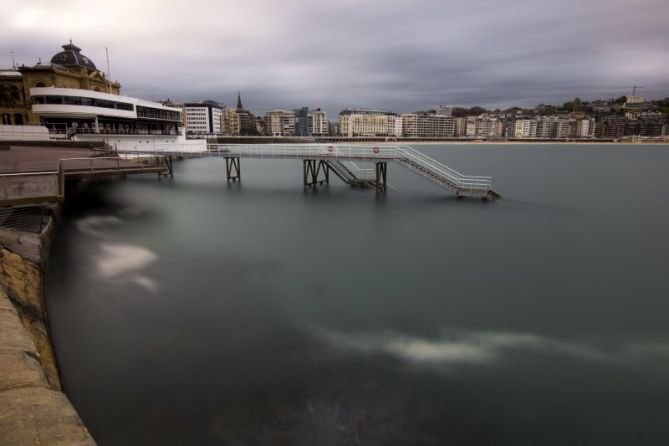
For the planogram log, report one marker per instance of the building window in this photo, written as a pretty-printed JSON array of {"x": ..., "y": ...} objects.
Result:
[
  {"x": 40, "y": 84},
  {"x": 6, "y": 119},
  {"x": 77, "y": 100},
  {"x": 18, "y": 119}
]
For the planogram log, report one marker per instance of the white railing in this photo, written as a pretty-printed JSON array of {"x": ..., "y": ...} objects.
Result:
[
  {"x": 302, "y": 151},
  {"x": 407, "y": 156},
  {"x": 445, "y": 172},
  {"x": 359, "y": 172},
  {"x": 106, "y": 163}
]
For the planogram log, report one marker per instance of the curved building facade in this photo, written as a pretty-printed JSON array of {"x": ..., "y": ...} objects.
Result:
[{"x": 68, "y": 68}]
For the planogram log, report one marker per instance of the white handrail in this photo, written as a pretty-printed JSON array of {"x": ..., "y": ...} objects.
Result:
[
  {"x": 405, "y": 155},
  {"x": 408, "y": 156}
]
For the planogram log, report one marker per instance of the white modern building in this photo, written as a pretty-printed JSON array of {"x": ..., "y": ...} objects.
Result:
[
  {"x": 427, "y": 125},
  {"x": 525, "y": 128},
  {"x": 120, "y": 121},
  {"x": 317, "y": 122},
  {"x": 583, "y": 128},
  {"x": 399, "y": 129},
  {"x": 203, "y": 118}
]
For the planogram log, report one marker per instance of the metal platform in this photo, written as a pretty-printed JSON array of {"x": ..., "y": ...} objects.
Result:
[{"x": 341, "y": 160}]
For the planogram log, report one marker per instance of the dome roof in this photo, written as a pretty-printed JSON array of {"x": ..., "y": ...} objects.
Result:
[{"x": 71, "y": 57}]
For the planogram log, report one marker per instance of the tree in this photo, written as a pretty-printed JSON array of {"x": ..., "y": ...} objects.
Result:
[
  {"x": 475, "y": 111},
  {"x": 248, "y": 130},
  {"x": 459, "y": 112}
]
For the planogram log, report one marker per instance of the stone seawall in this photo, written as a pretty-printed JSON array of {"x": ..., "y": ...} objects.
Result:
[{"x": 33, "y": 409}]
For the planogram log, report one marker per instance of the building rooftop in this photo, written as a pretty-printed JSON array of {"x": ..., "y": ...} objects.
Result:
[
  {"x": 210, "y": 104},
  {"x": 350, "y": 111},
  {"x": 10, "y": 73},
  {"x": 71, "y": 57}
]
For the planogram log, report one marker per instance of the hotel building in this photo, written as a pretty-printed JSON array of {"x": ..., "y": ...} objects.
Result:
[{"x": 362, "y": 122}]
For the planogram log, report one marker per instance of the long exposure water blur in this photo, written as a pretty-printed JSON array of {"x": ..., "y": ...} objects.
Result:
[{"x": 193, "y": 311}]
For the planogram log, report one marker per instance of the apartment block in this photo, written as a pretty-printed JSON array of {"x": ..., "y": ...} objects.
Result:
[
  {"x": 317, "y": 123},
  {"x": 280, "y": 123},
  {"x": 427, "y": 125}
]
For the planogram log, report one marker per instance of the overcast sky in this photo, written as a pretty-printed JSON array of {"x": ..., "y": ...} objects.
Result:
[{"x": 398, "y": 55}]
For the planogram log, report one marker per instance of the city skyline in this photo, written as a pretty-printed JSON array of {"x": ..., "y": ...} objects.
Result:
[{"x": 394, "y": 57}]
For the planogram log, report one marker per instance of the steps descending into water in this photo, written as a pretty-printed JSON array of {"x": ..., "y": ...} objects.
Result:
[
  {"x": 462, "y": 185},
  {"x": 341, "y": 158}
]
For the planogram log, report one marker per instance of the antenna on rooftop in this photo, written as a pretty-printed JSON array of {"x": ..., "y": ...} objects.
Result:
[
  {"x": 634, "y": 89},
  {"x": 108, "y": 70},
  {"x": 11, "y": 53}
]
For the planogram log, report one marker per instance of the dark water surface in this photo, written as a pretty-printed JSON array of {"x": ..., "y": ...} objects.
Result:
[{"x": 189, "y": 311}]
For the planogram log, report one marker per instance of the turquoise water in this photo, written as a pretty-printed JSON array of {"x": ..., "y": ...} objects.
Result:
[{"x": 190, "y": 311}]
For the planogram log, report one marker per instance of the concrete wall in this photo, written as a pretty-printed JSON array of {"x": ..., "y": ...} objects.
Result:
[
  {"x": 148, "y": 143},
  {"x": 24, "y": 132},
  {"x": 33, "y": 409}
]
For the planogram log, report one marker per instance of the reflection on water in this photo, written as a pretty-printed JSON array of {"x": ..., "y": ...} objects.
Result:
[{"x": 192, "y": 311}]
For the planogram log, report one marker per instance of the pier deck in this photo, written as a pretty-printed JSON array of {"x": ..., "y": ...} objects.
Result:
[
  {"x": 36, "y": 175},
  {"x": 341, "y": 160},
  {"x": 320, "y": 159}
]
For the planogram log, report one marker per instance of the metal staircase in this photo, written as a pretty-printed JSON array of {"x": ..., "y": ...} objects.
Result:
[
  {"x": 351, "y": 174},
  {"x": 462, "y": 185}
]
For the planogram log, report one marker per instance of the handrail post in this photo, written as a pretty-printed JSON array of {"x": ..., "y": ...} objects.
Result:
[{"x": 61, "y": 181}]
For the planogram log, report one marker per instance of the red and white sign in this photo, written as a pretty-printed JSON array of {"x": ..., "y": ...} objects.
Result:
[
  {"x": 330, "y": 148},
  {"x": 376, "y": 150}
]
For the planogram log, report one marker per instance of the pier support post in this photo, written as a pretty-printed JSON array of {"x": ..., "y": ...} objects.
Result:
[
  {"x": 169, "y": 163},
  {"x": 312, "y": 172},
  {"x": 381, "y": 176},
  {"x": 232, "y": 169}
]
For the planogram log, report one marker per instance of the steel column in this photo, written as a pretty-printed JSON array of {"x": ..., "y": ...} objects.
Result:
[
  {"x": 381, "y": 176},
  {"x": 311, "y": 173},
  {"x": 232, "y": 169},
  {"x": 168, "y": 163}
]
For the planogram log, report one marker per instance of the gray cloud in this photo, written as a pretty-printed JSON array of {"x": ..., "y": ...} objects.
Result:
[{"x": 396, "y": 55}]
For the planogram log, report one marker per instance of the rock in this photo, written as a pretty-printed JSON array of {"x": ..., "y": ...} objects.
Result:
[
  {"x": 38, "y": 416},
  {"x": 17, "y": 369},
  {"x": 13, "y": 336}
]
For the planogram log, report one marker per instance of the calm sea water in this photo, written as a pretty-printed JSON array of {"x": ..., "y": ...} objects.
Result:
[{"x": 190, "y": 311}]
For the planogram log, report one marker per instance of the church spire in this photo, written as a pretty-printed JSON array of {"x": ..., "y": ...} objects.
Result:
[{"x": 239, "y": 101}]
